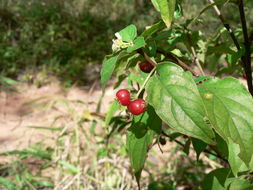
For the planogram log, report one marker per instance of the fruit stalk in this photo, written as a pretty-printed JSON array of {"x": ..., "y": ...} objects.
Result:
[{"x": 145, "y": 82}]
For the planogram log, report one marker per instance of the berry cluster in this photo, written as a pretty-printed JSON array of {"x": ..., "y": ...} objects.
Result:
[{"x": 136, "y": 107}]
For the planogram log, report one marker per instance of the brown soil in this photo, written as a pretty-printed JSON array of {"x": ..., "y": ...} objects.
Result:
[{"x": 19, "y": 111}]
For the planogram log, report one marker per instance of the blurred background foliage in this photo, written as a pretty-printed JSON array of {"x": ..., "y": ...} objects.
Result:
[
  {"x": 70, "y": 38},
  {"x": 63, "y": 37}
]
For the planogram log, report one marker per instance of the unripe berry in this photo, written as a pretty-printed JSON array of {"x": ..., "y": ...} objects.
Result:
[
  {"x": 145, "y": 66},
  {"x": 162, "y": 141},
  {"x": 137, "y": 107},
  {"x": 123, "y": 97}
]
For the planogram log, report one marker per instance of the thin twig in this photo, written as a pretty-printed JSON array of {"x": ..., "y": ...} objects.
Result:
[
  {"x": 247, "y": 57},
  {"x": 246, "y": 60},
  {"x": 206, "y": 151},
  {"x": 180, "y": 62},
  {"x": 145, "y": 82},
  {"x": 226, "y": 25},
  {"x": 212, "y": 163},
  {"x": 149, "y": 59},
  {"x": 158, "y": 143},
  {"x": 196, "y": 60}
]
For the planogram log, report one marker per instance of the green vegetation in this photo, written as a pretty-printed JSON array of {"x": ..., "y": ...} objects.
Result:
[
  {"x": 178, "y": 64},
  {"x": 61, "y": 37},
  {"x": 174, "y": 99}
]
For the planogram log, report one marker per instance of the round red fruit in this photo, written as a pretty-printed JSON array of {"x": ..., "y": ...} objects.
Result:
[
  {"x": 145, "y": 67},
  {"x": 186, "y": 137},
  {"x": 123, "y": 96},
  {"x": 137, "y": 107},
  {"x": 162, "y": 141},
  {"x": 244, "y": 76}
]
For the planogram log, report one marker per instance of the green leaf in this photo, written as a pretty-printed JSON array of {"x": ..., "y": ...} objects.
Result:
[
  {"x": 217, "y": 2},
  {"x": 138, "y": 43},
  {"x": 236, "y": 163},
  {"x": 154, "y": 2},
  {"x": 140, "y": 137},
  {"x": 44, "y": 184},
  {"x": 199, "y": 146},
  {"x": 177, "y": 52},
  {"x": 229, "y": 108},
  {"x": 120, "y": 79},
  {"x": 112, "y": 110},
  {"x": 178, "y": 10},
  {"x": 234, "y": 57},
  {"x": 187, "y": 146},
  {"x": 46, "y": 128},
  {"x": 7, "y": 84},
  {"x": 167, "y": 8},
  {"x": 129, "y": 33},
  {"x": 69, "y": 167},
  {"x": 161, "y": 185},
  {"x": 219, "y": 49},
  {"x": 175, "y": 97},
  {"x": 150, "y": 48},
  {"x": 201, "y": 78},
  {"x": 7, "y": 183},
  {"x": 109, "y": 64},
  {"x": 240, "y": 184},
  {"x": 221, "y": 146},
  {"x": 132, "y": 60},
  {"x": 139, "y": 78},
  {"x": 33, "y": 151},
  {"x": 7, "y": 80},
  {"x": 216, "y": 179},
  {"x": 153, "y": 29}
]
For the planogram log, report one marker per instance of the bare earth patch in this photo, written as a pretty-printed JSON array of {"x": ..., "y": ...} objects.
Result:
[
  {"x": 24, "y": 109},
  {"x": 21, "y": 112}
]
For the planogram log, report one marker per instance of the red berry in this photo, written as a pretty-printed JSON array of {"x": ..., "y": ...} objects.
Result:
[
  {"x": 145, "y": 67},
  {"x": 244, "y": 76},
  {"x": 123, "y": 96},
  {"x": 137, "y": 107},
  {"x": 186, "y": 137},
  {"x": 162, "y": 141}
]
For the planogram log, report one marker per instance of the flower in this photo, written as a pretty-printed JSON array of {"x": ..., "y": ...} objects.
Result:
[{"x": 118, "y": 43}]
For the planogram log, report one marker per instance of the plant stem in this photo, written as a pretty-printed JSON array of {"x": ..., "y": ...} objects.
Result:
[
  {"x": 251, "y": 37},
  {"x": 153, "y": 62},
  {"x": 227, "y": 26},
  {"x": 180, "y": 62},
  {"x": 181, "y": 144},
  {"x": 247, "y": 56},
  {"x": 149, "y": 59},
  {"x": 145, "y": 82},
  {"x": 196, "y": 60},
  {"x": 246, "y": 59}
]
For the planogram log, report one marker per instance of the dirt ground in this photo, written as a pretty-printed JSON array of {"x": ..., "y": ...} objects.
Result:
[
  {"x": 31, "y": 106},
  {"x": 19, "y": 111}
]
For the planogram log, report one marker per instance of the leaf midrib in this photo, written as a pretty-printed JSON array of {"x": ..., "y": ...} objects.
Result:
[{"x": 182, "y": 107}]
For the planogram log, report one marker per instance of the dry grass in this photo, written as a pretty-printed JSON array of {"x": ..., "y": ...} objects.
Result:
[{"x": 74, "y": 135}]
